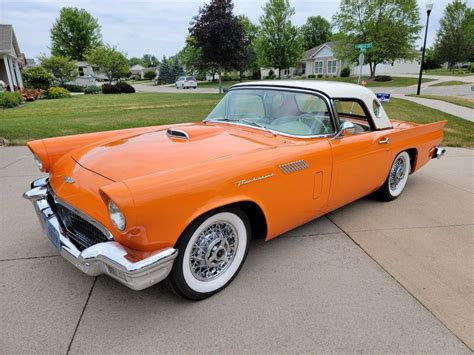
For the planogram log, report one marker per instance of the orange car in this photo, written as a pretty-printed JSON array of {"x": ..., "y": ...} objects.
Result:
[{"x": 181, "y": 202}]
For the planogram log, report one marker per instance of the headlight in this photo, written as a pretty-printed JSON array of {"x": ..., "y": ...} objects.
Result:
[
  {"x": 38, "y": 162},
  {"x": 116, "y": 216}
]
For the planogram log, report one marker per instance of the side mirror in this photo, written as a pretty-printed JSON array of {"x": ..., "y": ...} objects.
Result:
[{"x": 347, "y": 126}]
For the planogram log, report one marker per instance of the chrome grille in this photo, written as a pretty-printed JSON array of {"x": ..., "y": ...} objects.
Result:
[
  {"x": 81, "y": 231},
  {"x": 293, "y": 166}
]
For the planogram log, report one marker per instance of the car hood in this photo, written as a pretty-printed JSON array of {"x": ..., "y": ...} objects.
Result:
[{"x": 147, "y": 153}]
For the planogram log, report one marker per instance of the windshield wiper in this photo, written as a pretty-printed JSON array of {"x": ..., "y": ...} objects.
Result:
[{"x": 249, "y": 122}]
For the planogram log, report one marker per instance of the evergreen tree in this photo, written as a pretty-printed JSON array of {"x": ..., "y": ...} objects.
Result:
[
  {"x": 165, "y": 76},
  {"x": 176, "y": 69}
]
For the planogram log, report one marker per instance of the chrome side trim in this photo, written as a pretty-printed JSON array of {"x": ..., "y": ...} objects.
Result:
[
  {"x": 293, "y": 166},
  {"x": 177, "y": 133},
  {"x": 109, "y": 258}
]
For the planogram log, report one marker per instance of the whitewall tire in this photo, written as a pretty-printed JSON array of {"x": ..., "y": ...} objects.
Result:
[
  {"x": 211, "y": 252},
  {"x": 397, "y": 177}
]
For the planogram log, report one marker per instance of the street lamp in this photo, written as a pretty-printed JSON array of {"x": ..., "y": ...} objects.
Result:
[{"x": 429, "y": 7}]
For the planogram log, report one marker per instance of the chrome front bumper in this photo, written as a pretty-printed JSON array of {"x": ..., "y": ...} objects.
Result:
[{"x": 109, "y": 258}]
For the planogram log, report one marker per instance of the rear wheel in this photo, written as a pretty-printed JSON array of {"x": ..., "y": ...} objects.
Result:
[
  {"x": 397, "y": 178},
  {"x": 211, "y": 252}
]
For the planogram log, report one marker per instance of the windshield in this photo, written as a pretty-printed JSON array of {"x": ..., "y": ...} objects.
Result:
[{"x": 288, "y": 112}]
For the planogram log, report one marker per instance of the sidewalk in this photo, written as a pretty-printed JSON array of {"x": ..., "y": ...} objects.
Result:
[{"x": 455, "y": 110}]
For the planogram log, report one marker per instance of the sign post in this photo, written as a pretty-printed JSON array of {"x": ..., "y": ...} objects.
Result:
[{"x": 362, "y": 47}]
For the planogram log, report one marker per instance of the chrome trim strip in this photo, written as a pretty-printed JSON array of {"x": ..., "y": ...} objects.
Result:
[
  {"x": 171, "y": 132},
  {"x": 109, "y": 258},
  {"x": 293, "y": 166}
]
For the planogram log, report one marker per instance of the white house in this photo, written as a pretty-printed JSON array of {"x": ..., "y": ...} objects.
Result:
[
  {"x": 140, "y": 70},
  {"x": 11, "y": 58},
  {"x": 87, "y": 75}
]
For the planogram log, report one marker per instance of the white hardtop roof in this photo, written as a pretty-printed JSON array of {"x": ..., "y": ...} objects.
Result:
[{"x": 334, "y": 90}]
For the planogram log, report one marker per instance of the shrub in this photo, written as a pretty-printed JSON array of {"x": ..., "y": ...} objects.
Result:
[
  {"x": 345, "y": 72},
  {"x": 311, "y": 76},
  {"x": 73, "y": 88},
  {"x": 56, "y": 93},
  {"x": 125, "y": 88},
  {"x": 10, "y": 99},
  {"x": 92, "y": 89},
  {"x": 37, "y": 78},
  {"x": 471, "y": 68},
  {"x": 383, "y": 78},
  {"x": 230, "y": 77},
  {"x": 110, "y": 89},
  {"x": 320, "y": 76},
  {"x": 150, "y": 74},
  {"x": 31, "y": 94}
]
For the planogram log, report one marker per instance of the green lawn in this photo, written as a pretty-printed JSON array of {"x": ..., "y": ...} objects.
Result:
[
  {"x": 456, "y": 72},
  {"x": 457, "y": 133},
  {"x": 461, "y": 101},
  {"x": 92, "y": 113},
  {"x": 450, "y": 83},
  {"x": 395, "y": 82}
]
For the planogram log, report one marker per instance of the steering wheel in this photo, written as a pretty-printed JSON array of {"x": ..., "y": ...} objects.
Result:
[{"x": 318, "y": 124}]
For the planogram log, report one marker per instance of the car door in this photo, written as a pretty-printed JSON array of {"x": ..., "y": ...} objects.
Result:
[{"x": 360, "y": 160}]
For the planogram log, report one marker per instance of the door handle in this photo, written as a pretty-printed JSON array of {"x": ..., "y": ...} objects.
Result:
[{"x": 384, "y": 140}]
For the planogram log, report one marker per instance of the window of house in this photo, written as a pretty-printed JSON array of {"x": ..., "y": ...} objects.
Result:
[
  {"x": 332, "y": 66},
  {"x": 81, "y": 71},
  {"x": 318, "y": 67}
]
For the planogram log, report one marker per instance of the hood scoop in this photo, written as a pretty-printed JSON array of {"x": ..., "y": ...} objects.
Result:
[{"x": 177, "y": 133}]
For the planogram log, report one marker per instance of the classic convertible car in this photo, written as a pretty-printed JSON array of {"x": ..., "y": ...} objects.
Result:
[{"x": 181, "y": 202}]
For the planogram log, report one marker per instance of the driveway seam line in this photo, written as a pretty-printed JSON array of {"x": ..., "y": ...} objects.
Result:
[
  {"x": 80, "y": 317},
  {"x": 398, "y": 282},
  {"x": 14, "y": 162},
  {"x": 406, "y": 228},
  {"x": 31, "y": 258}
]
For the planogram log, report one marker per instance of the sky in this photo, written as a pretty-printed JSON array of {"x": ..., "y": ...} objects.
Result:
[{"x": 157, "y": 27}]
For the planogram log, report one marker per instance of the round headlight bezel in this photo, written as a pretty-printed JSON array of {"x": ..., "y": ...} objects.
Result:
[{"x": 116, "y": 216}]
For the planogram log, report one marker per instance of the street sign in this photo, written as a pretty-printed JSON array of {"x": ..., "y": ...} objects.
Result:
[
  {"x": 363, "y": 46},
  {"x": 383, "y": 97}
]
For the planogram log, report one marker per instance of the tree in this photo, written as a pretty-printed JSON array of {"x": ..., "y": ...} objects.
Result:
[
  {"x": 176, "y": 68},
  {"x": 219, "y": 35},
  {"x": 432, "y": 61},
  {"x": 37, "y": 78},
  {"x": 455, "y": 40},
  {"x": 392, "y": 26},
  {"x": 149, "y": 60},
  {"x": 166, "y": 73},
  {"x": 62, "y": 68},
  {"x": 249, "y": 58},
  {"x": 316, "y": 31},
  {"x": 74, "y": 33},
  {"x": 134, "y": 60},
  {"x": 110, "y": 61},
  {"x": 279, "y": 44}
]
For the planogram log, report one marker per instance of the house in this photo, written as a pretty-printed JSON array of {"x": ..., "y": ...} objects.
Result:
[
  {"x": 393, "y": 68},
  {"x": 321, "y": 60},
  {"x": 138, "y": 70},
  {"x": 87, "y": 75},
  {"x": 11, "y": 58}
]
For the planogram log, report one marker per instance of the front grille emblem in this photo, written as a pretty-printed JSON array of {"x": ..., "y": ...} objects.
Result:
[{"x": 69, "y": 180}]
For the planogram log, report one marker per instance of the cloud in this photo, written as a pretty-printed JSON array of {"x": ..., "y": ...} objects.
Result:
[{"x": 157, "y": 27}]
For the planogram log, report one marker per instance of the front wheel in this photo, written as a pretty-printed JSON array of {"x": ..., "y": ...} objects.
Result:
[
  {"x": 397, "y": 178},
  {"x": 211, "y": 252}
]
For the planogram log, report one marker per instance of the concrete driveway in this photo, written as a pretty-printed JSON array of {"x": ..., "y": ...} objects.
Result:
[{"x": 371, "y": 277}]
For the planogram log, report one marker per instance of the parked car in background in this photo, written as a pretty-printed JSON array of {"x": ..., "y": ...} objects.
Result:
[
  {"x": 186, "y": 82},
  {"x": 181, "y": 202}
]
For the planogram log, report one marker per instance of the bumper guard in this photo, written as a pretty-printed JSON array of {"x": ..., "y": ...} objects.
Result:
[{"x": 109, "y": 258}]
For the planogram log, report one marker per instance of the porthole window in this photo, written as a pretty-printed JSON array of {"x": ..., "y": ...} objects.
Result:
[{"x": 377, "y": 108}]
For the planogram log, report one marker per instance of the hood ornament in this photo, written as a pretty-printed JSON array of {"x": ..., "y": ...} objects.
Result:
[{"x": 69, "y": 180}]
